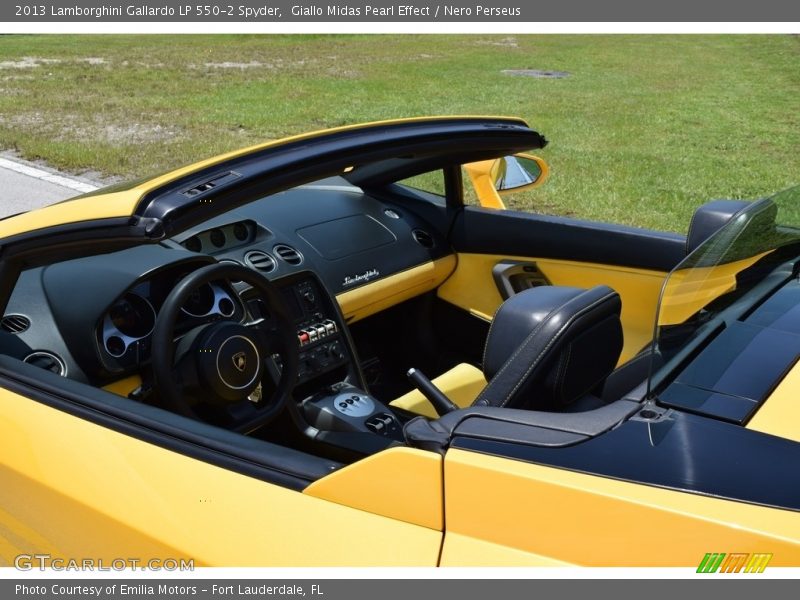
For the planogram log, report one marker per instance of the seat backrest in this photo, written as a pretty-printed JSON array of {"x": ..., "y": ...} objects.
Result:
[
  {"x": 550, "y": 345},
  {"x": 709, "y": 218}
]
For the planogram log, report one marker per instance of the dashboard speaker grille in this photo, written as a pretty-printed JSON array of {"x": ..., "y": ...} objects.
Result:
[
  {"x": 288, "y": 254},
  {"x": 260, "y": 261},
  {"x": 15, "y": 323}
]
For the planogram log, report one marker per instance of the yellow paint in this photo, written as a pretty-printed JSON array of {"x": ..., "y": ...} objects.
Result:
[
  {"x": 374, "y": 297},
  {"x": 120, "y": 204},
  {"x": 75, "y": 489},
  {"x": 123, "y": 387},
  {"x": 689, "y": 290},
  {"x": 482, "y": 175},
  {"x": 400, "y": 483},
  {"x": 472, "y": 288},
  {"x": 461, "y": 384},
  {"x": 780, "y": 414},
  {"x": 594, "y": 521},
  {"x": 463, "y": 551}
]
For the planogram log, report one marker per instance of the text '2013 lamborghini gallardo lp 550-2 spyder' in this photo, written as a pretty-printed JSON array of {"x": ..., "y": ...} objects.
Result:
[{"x": 290, "y": 355}]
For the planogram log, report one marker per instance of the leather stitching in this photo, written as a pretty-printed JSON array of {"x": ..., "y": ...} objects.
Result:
[
  {"x": 610, "y": 296},
  {"x": 489, "y": 335}
]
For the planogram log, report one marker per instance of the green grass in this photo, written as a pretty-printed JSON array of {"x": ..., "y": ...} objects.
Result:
[{"x": 644, "y": 129}]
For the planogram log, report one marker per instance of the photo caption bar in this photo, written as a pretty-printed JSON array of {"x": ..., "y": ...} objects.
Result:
[
  {"x": 344, "y": 589},
  {"x": 411, "y": 11}
]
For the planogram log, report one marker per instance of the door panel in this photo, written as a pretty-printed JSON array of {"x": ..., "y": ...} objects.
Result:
[
  {"x": 75, "y": 489},
  {"x": 511, "y": 233},
  {"x": 472, "y": 288},
  {"x": 567, "y": 252},
  {"x": 498, "y": 509}
]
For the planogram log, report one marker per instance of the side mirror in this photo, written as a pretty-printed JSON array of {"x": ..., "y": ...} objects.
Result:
[
  {"x": 490, "y": 178},
  {"x": 519, "y": 172}
]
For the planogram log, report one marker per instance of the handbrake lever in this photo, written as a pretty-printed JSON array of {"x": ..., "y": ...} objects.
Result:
[{"x": 441, "y": 403}]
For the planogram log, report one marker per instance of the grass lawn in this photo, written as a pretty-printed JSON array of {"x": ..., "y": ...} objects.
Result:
[{"x": 643, "y": 130}]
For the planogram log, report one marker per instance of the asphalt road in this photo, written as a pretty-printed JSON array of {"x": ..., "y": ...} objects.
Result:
[{"x": 25, "y": 186}]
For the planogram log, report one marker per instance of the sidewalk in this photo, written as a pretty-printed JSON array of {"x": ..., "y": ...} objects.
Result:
[{"x": 25, "y": 186}]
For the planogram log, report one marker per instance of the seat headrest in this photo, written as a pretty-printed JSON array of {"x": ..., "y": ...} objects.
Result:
[
  {"x": 709, "y": 218},
  {"x": 550, "y": 345}
]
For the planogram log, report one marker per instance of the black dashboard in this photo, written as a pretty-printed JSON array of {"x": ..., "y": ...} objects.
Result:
[
  {"x": 95, "y": 316},
  {"x": 345, "y": 236}
]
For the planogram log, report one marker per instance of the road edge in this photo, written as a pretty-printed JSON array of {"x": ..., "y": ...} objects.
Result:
[{"x": 54, "y": 177}]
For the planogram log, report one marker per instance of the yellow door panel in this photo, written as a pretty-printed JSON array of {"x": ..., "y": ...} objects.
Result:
[
  {"x": 401, "y": 483},
  {"x": 76, "y": 489},
  {"x": 461, "y": 384},
  {"x": 472, "y": 288},
  {"x": 594, "y": 521}
]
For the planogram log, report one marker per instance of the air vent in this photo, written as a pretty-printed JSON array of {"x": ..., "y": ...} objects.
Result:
[
  {"x": 288, "y": 254},
  {"x": 15, "y": 323},
  {"x": 260, "y": 261},
  {"x": 423, "y": 238},
  {"x": 48, "y": 361}
]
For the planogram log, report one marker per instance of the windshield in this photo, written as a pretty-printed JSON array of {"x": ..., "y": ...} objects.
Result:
[{"x": 723, "y": 278}]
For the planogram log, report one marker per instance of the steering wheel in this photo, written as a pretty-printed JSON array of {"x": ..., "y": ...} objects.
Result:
[{"x": 223, "y": 363}]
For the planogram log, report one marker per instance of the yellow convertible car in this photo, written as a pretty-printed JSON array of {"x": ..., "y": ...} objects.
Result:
[{"x": 315, "y": 352}]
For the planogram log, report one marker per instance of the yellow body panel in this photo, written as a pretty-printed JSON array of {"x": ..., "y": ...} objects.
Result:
[
  {"x": 76, "y": 489},
  {"x": 594, "y": 521},
  {"x": 119, "y": 204},
  {"x": 472, "y": 288},
  {"x": 780, "y": 414},
  {"x": 461, "y": 384},
  {"x": 401, "y": 483},
  {"x": 464, "y": 551},
  {"x": 374, "y": 297}
]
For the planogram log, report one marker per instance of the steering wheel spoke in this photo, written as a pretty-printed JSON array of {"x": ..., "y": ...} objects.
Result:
[{"x": 186, "y": 372}]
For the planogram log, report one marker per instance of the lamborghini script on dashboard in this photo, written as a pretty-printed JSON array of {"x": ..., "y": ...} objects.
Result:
[{"x": 360, "y": 278}]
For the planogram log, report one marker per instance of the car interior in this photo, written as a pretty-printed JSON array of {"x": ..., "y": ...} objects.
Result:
[{"x": 330, "y": 321}]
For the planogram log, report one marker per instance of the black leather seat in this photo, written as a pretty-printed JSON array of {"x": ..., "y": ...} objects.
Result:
[
  {"x": 549, "y": 346},
  {"x": 709, "y": 218}
]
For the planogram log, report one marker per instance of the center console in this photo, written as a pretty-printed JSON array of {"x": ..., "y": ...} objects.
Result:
[
  {"x": 332, "y": 406},
  {"x": 346, "y": 408}
]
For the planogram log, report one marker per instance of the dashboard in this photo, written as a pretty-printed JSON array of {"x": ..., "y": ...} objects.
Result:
[{"x": 95, "y": 315}]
